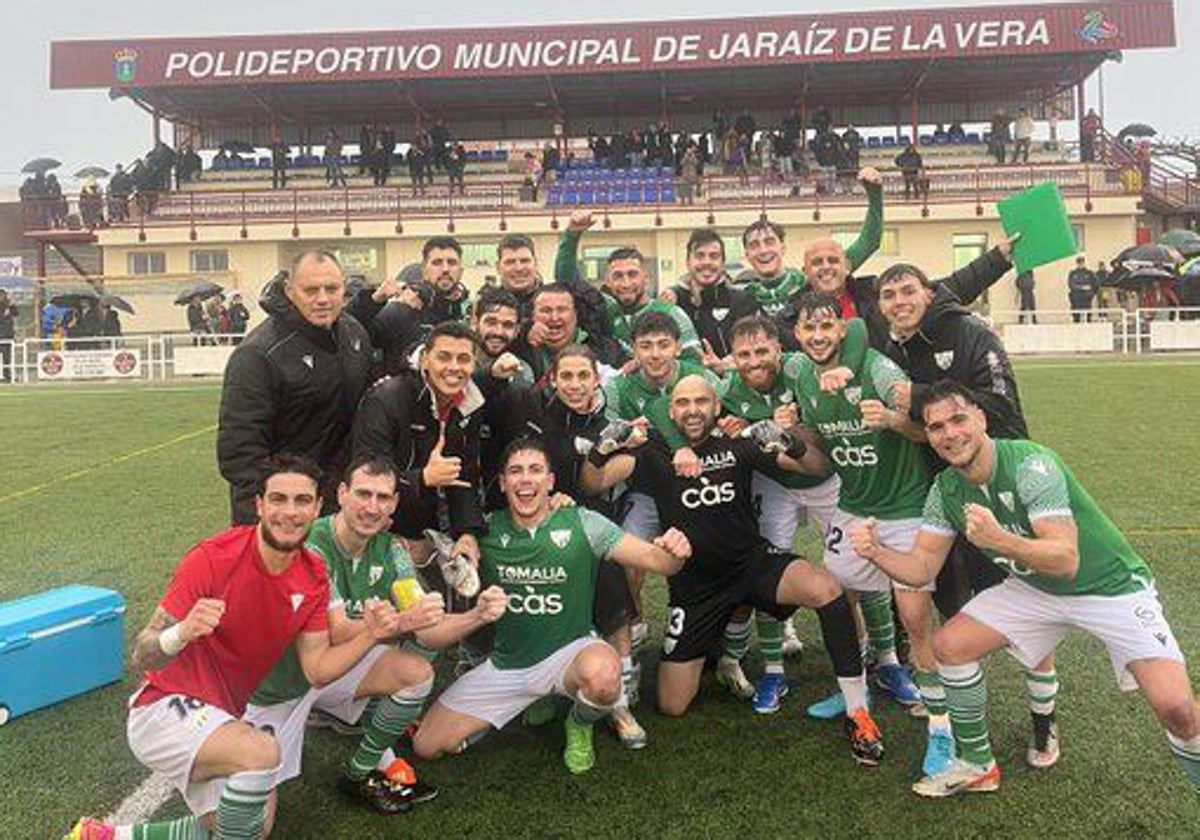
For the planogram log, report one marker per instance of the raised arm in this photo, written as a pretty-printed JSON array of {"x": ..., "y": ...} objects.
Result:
[
  {"x": 871, "y": 233},
  {"x": 600, "y": 475},
  {"x": 915, "y": 568},
  {"x": 665, "y": 556}
]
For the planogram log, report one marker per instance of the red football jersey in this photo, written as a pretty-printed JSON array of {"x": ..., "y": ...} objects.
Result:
[{"x": 264, "y": 614}]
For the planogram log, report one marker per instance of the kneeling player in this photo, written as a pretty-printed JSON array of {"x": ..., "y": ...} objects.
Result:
[
  {"x": 237, "y": 601},
  {"x": 732, "y": 563},
  {"x": 546, "y": 561},
  {"x": 1068, "y": 568},
  {"x": 366, "y": 563}
]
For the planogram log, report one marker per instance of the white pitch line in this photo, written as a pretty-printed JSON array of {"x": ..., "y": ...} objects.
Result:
[{"x": 144, "y": 802}]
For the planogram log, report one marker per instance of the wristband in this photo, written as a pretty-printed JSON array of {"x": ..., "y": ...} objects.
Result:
[
  {"x": 598, "y": 459},
  {"x": 796, "y": 448},
  {"x": 170, "y": 641}
]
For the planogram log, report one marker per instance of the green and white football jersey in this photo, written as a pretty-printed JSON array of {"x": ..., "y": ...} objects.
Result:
[
  {"x": 352, "y": 581},
  {"x": 549, "y": 575},
  {"x": 775, "y": 295},
  {"x": 881, "y": 471},
  {"x": 1030, "y": 482}
]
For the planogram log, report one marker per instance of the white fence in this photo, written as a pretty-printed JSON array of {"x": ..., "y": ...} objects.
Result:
[
  {"x": 153, "y": 356},
  {"x": 160, "y": 356}
]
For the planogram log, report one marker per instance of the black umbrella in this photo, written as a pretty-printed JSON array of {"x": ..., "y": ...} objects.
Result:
[
  {"x": 1137, "y": 278},
  {"x": 1151, "y": 254},
  {"x": 204, "y": 288},
  {"x": 42, "y": 164},
  {"x": 73, "y": 298},
  {"x": 1136, "y": 130},
  {"x": 117, "y": 302},
  {"x": 92, "y": 172},
  {"x": 238, "y": 147}
]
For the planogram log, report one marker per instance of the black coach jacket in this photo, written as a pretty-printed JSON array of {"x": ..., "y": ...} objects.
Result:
[
  {"x": 398, "y": 418},
  {"x": 290, "y": 387}
]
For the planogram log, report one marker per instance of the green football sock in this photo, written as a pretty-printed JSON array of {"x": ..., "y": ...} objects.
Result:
[
  {"x": 393, "y": 714},
  {"x": 242, "y": 811},
  {"x": 770, "y": 642},
  {"x": 1043, "y": 690},
  {"x": 966, "y": 698},
  {"x": 1187, "y": 753},
  {"x": 881, "y": 626},
  {"x": 933, "y": 696},
  {"x": 187, "y": 828},
  {"x": 735, "y": 640}
]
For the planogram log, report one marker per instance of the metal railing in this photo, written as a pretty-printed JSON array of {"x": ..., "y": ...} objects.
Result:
[{"x": 979, "y": 185}]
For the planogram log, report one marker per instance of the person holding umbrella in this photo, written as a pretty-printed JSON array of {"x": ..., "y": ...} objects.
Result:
[
  {"x": 8, "y": 331},
  {"x": 239, "y": 317}
]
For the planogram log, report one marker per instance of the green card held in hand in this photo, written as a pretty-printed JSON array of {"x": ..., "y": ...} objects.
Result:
[{"x": 1040, "y": 216}]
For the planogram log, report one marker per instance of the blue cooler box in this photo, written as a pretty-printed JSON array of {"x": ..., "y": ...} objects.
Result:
[{"x": 58, "y": 644}]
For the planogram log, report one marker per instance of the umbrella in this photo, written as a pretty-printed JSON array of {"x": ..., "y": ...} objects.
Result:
[
  {"x": 1181, "y": 240},
  {"x": 204, "y": 288},
  {"x": 239, "y": 147},
  {"x": 1136, "y": 278},
  {"x": 1153, "y": 254},
  {"x": 1136, "y": 130},
  {"x": 117, "y": 302},
  {"x": 92, "y": 172},
  {"x": 73, "y": 298},
  {"x": 42, "y": 164}
]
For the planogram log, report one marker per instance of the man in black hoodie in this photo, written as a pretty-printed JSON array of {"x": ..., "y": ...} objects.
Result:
[
  {"x": 932, "y": 337},
  {"x": 294, "y": 383}
]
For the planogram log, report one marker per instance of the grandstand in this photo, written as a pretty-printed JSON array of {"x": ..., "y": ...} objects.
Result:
[{"x": 505, "y": 93}]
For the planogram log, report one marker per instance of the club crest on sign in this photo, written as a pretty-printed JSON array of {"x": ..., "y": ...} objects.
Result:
[
  {"x": 125, "y": 63},
  {"x": 944, "y": 358},
  {"x": 560, "y": 537}
]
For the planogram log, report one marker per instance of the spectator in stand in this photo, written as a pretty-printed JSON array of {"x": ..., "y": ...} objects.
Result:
[
  {"x": 940, "y": 133},
  {"x": 785, "y": 150},
  {"x": 1022, "y": 136},
  {"x": 456, "y": 166},
  {"x": 635, "y": 147},
  {"x": 745, "y": 124},
  {"x": 379, "y": 164},
  {"x": 740, "y": 160},
  {"x": 279, "y": 160},
  {"x": 551, "y": 159},
  {"x": 418, "y": 163},
  {"x": 1052, "y": 117},
  {"x": 216, "y": 317},
  {"x": 8, "y": 332},
  {"x": 56, "y": 201},
  {"x": 847, "y": 163},
  {"x": 766, "y": 153},
  {"x": 91, "y": 205},
  {"x": 956, "y": 133},
  {"x": 822, "y": 120},
  {"x": 910, "y": 164},
  {"x": 1027, "y": 298},
  {"x": 366, "y": 147},
  {"x": 689, "y": 177},
  {"x": 108, "y": 320},
  {"x": 1000, "y": 138},
  {"x": 439, "y": 146},
  {"x": 1081, "y": 290},
  {"x": 187, "y": 165},
  {"x": 197, "y": 320},
  {"x": 533, "y": 177},
  {"x": 239, "y": 318},
  {"x": 1089, "y": 130},
  {"x": 119, "y": 189},
  {"x": 854, "y": 142},
  {"x": 387, "y": 140},
  {"x": 333, "y": 159}
]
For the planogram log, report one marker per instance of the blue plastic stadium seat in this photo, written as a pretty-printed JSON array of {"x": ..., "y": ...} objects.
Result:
[
  {"x": 553, "y": 197},
  {"x": 888, "y": 141},
  {"x": 872, "y": 142},
  {"x": 618, "y": 195},
  {"x": 587, "y": 194},
  {"x": 668, "y": 194},
  {"x": 500, "y": 155},
  {"x": 218, "y": 165},
  {"x": 570, "y": 196},
  {"x": 264, "y": 163},
  {"x": 973, "y": 137},
  {"x": 926, "y": 139}
]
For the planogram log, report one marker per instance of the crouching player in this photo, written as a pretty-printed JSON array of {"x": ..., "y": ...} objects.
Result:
[
  {"x": 366, "y": 563},
  {"x": 237, "y": 601},
  {"x": 546, "y": 562},
  {"x": 1068, "y": 568}
]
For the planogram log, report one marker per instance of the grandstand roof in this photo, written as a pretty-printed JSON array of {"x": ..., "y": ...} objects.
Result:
[{"x": 595, "y": 72}]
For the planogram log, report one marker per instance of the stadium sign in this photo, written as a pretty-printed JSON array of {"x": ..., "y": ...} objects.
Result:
[
  {"x": 89, "y": 364},
  {"x": 472, "y": 53}
]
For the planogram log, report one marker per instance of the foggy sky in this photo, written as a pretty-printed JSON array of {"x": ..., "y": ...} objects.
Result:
[{"x": 84, "y": 127}]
